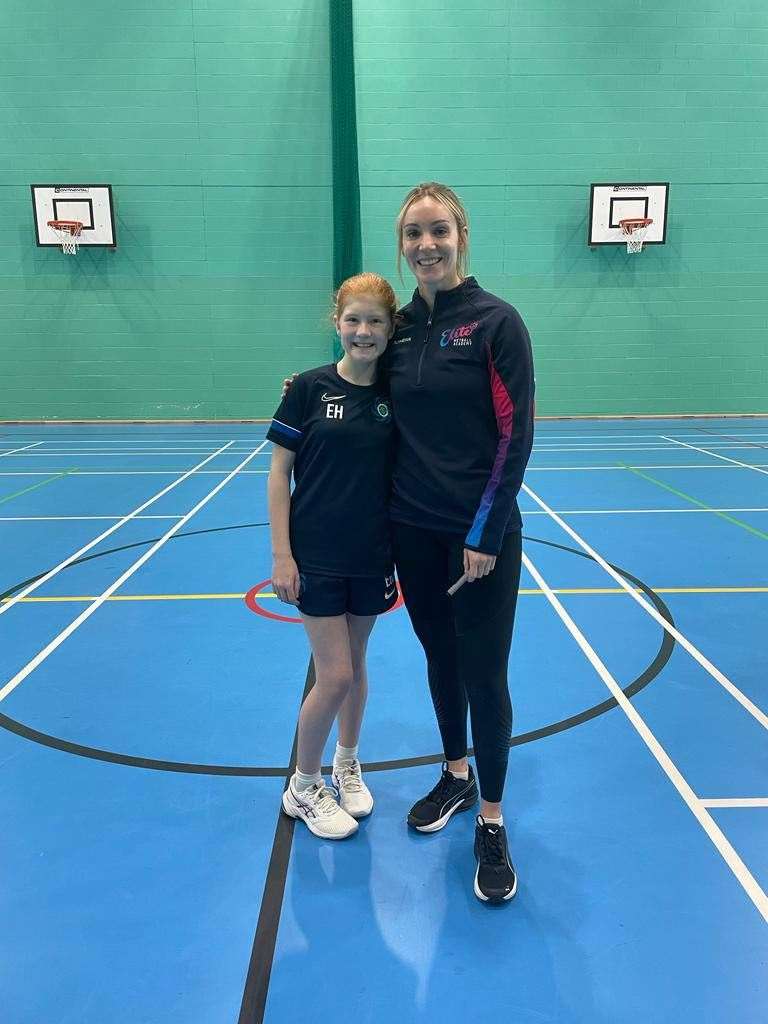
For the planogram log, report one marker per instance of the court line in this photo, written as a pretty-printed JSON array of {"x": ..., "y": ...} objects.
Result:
[
  {"x": 108, "y": 455},
  {"x": 24, "y": 449},
  {"x": 522, "y": 592},
  {"x": 613, "y": 468},
  {"x": 705, "y": 451},
  {"x": 620, "y": 467},
  {"x": 640, "y": 511},
  {"x": 34, "y": 487},
  {"x": 160, "y": 472},
  {"x": 703, "y": 507},
  {"x": 62, "y": 565},
  {"x": 56, "y": 519},
  {"x": 543, "y": 434},
  {"x": 675, "y": 776},
  {"x": 40, "y": 657},
  {"x": 751, "y": 801},
  {"x": 537, "y": 450},
  {"x": 695, "y": 653},
  {"x": 262, "y": 956},
  {"x": 619, "y": 447},
  {"x": 729, "y": 437}
]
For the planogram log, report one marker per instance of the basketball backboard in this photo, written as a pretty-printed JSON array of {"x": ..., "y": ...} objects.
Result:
[
  {"x": 611, "y": 203},
  {"x": 90, "y": 204}
]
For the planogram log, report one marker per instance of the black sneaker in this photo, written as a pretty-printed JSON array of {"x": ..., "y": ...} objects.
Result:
[
  {"x": 495, "y": 878},
  {"x": 433, "y": 811}
]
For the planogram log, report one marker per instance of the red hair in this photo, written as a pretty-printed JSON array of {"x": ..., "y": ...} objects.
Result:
[{"x": 373, "y": 286}]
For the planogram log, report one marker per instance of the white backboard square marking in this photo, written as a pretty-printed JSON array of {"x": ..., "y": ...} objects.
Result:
[
  {"x": 90, "y": 204},
  {"x": 611, "y": 203}
]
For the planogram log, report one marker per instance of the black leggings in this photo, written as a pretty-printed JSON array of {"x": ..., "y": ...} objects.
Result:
[{"x": 466, "y": 639}]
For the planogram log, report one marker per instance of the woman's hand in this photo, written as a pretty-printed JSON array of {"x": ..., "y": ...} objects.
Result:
[
  {"x": 285, "y": 578},
  {"x": 477, "y": 564},
  {"x": 287, "y": 384}
]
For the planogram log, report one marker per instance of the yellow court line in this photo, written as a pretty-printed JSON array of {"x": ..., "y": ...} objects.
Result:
[{"x": 525, "y": 592}]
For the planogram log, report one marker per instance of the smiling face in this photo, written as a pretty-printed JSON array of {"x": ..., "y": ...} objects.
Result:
[
  {"x": 364, "y": 328},
  {"x": 431, "y": 243}
]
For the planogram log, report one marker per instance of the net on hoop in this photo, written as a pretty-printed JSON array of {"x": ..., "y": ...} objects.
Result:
[
  {"x": 635, "y": 229},
  {"x": 67, "y": 232}
]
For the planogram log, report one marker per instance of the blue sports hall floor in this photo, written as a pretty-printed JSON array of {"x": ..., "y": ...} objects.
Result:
[{"x": 149, "y": 687}]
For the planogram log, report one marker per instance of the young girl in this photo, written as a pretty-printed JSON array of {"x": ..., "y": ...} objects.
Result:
[{"x": 330, "y": 543}]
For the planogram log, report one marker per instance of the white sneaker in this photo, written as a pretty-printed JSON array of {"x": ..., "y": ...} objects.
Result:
[
  {"x": 318, "y": 809},
  {"x": 354, "y": 795}
]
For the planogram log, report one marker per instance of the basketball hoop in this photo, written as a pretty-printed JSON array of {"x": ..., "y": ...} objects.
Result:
[
  {"x": 67, "y": 232},
  {"x": 635, "y": 229}
]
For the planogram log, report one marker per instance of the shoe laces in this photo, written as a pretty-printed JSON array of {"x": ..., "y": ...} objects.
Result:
[
  {"x": 492, "y": 850},
  {"x": 445, "y": 784},
  {"x": 349, "y": 775},
  {"x": 324, "y": 798}
]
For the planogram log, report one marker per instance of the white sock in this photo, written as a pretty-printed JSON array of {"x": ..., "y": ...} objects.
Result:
[
  {"x": 302, "y": 781},
  {"x": 345, "y": 754},
  {"x": 464, "y": 776},
  {"x": 494, "y": 821}
]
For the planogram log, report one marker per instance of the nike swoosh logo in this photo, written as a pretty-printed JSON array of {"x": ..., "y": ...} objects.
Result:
[
  {"x": 390, "y": 594},
  {"x": 332, "y": 398}
]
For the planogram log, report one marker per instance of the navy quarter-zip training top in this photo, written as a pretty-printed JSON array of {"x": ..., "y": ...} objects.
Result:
[{"x": 462, "y": 387}]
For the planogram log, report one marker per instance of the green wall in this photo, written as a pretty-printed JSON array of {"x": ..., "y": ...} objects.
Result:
[{"x": 211, "y": 121}]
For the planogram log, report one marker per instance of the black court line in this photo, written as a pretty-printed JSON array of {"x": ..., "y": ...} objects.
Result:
[
  {"x": 279, "y": 771},
  {"x": 263, "y": 950},
  {"x": 259, "y": 972},
  {"x": 730, "y": 437}
]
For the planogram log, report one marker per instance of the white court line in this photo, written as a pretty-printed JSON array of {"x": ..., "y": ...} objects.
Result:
[
  {"x": 56, "y": 519},
  {"x": 153, "y": 440},
  {"x": 695, "y": 805},
  {"x": 109, "y": 455},
  {"x": 248, "y": 472},
  {"x": 638, "y": 437},
  {"x": 131, "y": 515},
  {"x": 623, "y": 469},
  {"x": 695, "y": 653},
  {"x": 14, "y": 450},
  {"x": 750, "y": 801},
  {"x": 20, "y": 676},
  {"x": 636, "y": 511},
  {"x": 538, "y": 448},
  {"x": 165, "y": 472},
  {"x": 705, "y": 451}
]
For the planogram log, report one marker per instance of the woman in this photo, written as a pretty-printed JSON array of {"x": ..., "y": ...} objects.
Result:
[
  {"x": 330, "y": 544},
  {"x": 461, "y": 380},
  {"x": 462, "y": 387}
]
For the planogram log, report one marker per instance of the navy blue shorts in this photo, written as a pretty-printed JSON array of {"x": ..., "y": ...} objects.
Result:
[{"x": 337, "y": 595}]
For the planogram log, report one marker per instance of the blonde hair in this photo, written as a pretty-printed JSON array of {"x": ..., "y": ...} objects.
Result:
[
  {"x": 373, "y": 285},
  {"x": 449, "y": 199}
]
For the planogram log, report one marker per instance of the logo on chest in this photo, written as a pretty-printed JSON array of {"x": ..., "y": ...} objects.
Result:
[
  {"x": 381, "y": 410},
  {"x": 459, "y": 337}
]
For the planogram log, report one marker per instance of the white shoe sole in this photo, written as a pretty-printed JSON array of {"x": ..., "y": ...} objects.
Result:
[
  {"x": 487, "y": 899},
  {"x": 442, "y": 822},
  {"x": 295, "y": 812}
]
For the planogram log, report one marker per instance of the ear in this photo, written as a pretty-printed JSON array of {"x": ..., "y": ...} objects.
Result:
[
  {"x": 336, "y": 324},
  {"x": 463, "y": 237}
]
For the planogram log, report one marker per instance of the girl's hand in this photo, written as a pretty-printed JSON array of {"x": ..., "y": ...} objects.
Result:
[
  {"x": 287, "y": 384},
  {"x": 285, "y": 578},
  {"x": 477, "y": 564}
]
